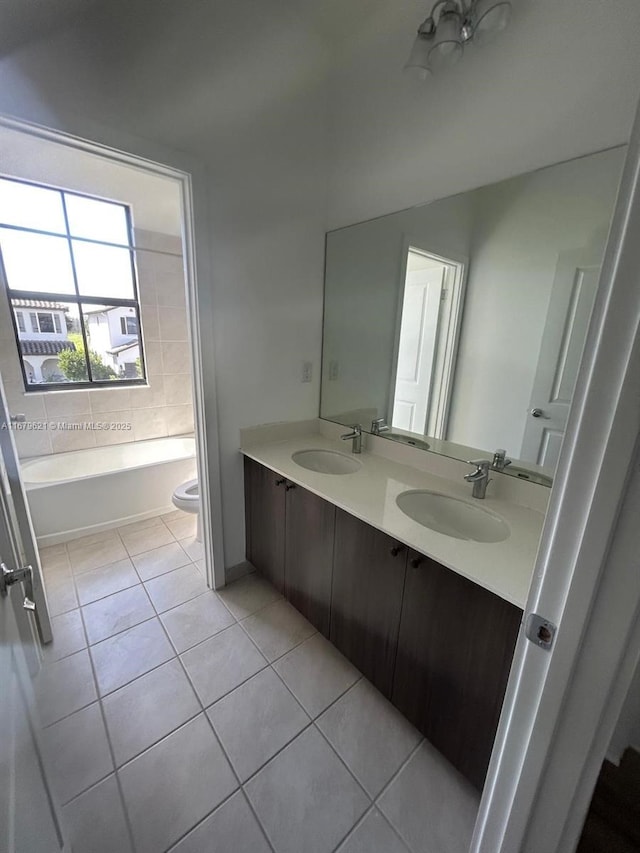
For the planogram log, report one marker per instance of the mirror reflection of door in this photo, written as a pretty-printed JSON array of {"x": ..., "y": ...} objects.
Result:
[
  {"x": 570, "y": 306},
  {"x": 425, "y": 345}
]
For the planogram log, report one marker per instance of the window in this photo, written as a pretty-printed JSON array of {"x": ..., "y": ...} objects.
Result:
[
  {"x": 69, "y": 266},
  {"x": 129, "y": 325}
]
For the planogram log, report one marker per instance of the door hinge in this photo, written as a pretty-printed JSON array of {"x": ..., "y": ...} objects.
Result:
[{"x": 540, "y": 631}]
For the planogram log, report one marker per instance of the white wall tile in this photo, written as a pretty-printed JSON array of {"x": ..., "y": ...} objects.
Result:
[
  {"x": 176, "y": 357},
  {"x": 151, "y": 397},
  {"x": 148, "y": 423},
  {"x": 117, "y": 434},
  {"x": 153, "y": 358},
  {"x": 33, "y": 442},
  {"x": 177, "y": 389},
  {"x": 173, "y": 324},
  {"x": 109, "y": 400},
  {"x": 169, "y": 280},
  {"x": 59, "y": 404},
  {"x": 63, "y": 440},
  {"x": 150, "y": 323},
  {"x": 179, "y": 419}
]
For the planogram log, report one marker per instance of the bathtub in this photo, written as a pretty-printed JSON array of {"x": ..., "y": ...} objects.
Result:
[{"x": 86, "y": 491}]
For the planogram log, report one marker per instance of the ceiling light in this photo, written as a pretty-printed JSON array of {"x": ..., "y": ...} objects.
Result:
[{"x": 441, "y": 38}]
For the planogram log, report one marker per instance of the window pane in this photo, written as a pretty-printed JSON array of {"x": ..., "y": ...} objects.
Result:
[
  {"x": 115, "y": 355},
  {"x": 97, "y": 220},
  {"x": 35, "y": 262},
  {"x": 31, "y": 207},
  {"x": 56, "y": 355},
  {"x": 103, "y": 270}
]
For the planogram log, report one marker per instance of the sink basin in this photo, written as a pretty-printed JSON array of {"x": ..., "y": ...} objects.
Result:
[
  {"x": 453, "y": 517},
  {"x": 326, "y": 461}
]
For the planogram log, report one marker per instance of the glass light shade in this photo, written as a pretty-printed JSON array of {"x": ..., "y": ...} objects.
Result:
[
  {"x": 418, "y": 63},
  {"x": 491, "y": 17},
  {"x": 446, "y": 48}
]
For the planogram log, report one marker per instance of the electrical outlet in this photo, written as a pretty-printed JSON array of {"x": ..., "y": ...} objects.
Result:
[
  {"x": 333, "y": 370},
  {"x": 307, "y": 371}
]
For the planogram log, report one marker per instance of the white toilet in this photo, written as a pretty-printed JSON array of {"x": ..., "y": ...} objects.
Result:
[{"x": 187, "y": 498}]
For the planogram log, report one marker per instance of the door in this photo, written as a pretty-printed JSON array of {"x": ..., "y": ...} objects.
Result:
[
  {"x": 310, "y": 527},
  {"x": 29, "y": 822},
  {"x": 21, "y": 527},
  {"x": 265, "y": 510},
  {"x": 570, "y": 307},
  {"x": 366, "y": 598},
  {"x": 417, "y": 347},
  {"x": 455, "y": 647}
]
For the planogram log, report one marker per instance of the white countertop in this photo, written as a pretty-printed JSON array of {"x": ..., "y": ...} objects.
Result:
[{"x": 504, "y": 568}]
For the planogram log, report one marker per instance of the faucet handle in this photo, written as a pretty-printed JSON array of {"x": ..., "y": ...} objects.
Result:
[{"x": 479, "y": 463}]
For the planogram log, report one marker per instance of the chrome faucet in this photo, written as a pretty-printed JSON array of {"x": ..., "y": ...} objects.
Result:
[
  {"x": 356, "y": 436},
  {"x": 500, "y": 460},
  {"x": 379, "y": 425},
  {"x": 479, "y": 478}
]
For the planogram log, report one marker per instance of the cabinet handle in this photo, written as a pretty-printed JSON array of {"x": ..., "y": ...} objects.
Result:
[
  {"x": 416, "y": 562},
  {"x": 280, "y": 482},
  {"x": 397, "y": 549},
  {"x": 290, "y": 486}
]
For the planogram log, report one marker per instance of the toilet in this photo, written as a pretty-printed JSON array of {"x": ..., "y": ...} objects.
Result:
[{"x": 187, "y": 498}]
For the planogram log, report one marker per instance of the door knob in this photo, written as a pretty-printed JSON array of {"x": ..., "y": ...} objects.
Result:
[{"x": 538, "y": 413}]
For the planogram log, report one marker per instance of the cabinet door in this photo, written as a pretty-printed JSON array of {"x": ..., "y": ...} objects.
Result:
[
  {"x": 309, "y": 536},
  {"x": 265, "y": 516},
  {"x": 366, "y": 598},
  {"x": 454, "y": 655}
]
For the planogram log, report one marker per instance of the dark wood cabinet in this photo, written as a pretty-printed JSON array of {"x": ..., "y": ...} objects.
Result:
[
  {"x": 366, "y": 598},
  {"x": 436, "y": 644},
  {"x": 454, "y": 655},
  {"x": 265, "y": 521},
  {"x": 309, "y": 538}
]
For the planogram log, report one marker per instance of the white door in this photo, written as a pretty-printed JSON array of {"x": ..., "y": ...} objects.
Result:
[
  {"x": 21, "y": 528},
  {"x": 29, "y": 822},
  {"x": 570, "y": 307},
  {"x": 417, "y": 347}
]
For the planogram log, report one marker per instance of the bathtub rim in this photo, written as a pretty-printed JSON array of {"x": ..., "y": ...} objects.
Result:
[{"x": 31, "y": 486}]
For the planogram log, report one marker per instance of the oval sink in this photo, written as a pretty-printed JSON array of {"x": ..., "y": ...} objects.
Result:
[
  {"x": 453, "y": 517},
  {"x": 326, "y": 461}
]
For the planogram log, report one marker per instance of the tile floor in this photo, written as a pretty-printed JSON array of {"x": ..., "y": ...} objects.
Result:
[{"x": 185, "y": 720}]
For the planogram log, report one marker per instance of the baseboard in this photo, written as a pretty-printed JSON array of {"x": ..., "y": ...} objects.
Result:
[
  {"x": 234, "y": 573},
  {"x": 79, "y": 532}
]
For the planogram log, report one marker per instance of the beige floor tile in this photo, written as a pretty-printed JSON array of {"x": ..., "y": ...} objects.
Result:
[
  {"x": 248, "y": 594},
  {"x": 277, "y": 628},
  {"x": 96, "y": 820},
  {"x": 130, "y": 654},
  {"x": 98, "y": 583},
  {"x": 176, "y": 587},
  {"x": 305, "y": 797},
  {"x": 146, "y": 540},
  {"x": 353, "y": 725},
  {"x": 160, "y": 560},
  {"x": 148, "y": 709},
  {"x": 175, "y": 784},
  {"x": 196, "y": 620},
  {"x": 222, "y": 663},
  {"x": 117, "y": 612}
]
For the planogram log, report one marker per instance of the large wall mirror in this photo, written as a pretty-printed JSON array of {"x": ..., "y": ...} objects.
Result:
[{"x": 458, "y": 326}]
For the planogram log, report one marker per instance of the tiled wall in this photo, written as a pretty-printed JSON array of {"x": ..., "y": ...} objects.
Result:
[{"x": 163, "y": 408}]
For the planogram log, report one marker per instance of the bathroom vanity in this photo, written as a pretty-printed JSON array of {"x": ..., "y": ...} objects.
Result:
[{"x": 429, "y": 618}]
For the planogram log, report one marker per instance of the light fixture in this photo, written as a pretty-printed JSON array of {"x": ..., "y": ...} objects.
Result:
[{"x": 441, "y": 38}]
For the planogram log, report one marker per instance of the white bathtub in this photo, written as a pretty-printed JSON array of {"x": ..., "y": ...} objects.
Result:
[{"x": 86, "y": 491}]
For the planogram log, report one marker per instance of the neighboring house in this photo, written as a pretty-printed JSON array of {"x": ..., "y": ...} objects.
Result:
[
  {"x": 42, "y": 335},
  {"x": 113, "y": 334}
]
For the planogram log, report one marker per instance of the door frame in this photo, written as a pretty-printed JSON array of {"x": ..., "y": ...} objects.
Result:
[
  {"x": 192, "y": 179},
  {"x": 562, "y": 705}
]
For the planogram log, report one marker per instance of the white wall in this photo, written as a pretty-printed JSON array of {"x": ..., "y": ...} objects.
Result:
[
  {"x": 364, "y": 277},
  {"x": 562, "y": 81},
  {"x": 240, "y": 87},
  {"x": 520, "y": 227}
]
